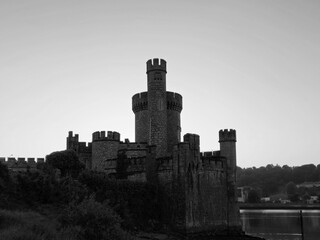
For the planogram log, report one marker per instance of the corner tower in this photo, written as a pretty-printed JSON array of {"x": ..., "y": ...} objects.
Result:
[
  {"x": 157, "y": 112},
  {"x": 228, "y": 139}
]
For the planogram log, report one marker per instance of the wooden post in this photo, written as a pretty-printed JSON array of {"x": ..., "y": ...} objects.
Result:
[{"x": 301, "y": 225}]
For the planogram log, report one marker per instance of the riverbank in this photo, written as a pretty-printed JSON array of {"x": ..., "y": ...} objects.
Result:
[{"x": 279, "y": 206}]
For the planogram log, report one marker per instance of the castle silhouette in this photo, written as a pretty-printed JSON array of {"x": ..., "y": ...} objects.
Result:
[{"x": 202, "y": 184}]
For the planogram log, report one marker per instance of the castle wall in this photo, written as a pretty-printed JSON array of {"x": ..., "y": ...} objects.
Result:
[
  {"x": 200, "y": 188},
  {"x": 102, "y": 151},
  {"x": 136, "y": 169},
  {"x": 165, "y": 170},
  {"x": 21, "y": 164},
  {"x": 134, "y": 149}
]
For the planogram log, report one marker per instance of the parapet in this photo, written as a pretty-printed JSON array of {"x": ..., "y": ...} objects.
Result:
[
  {"x": 140, "y": 102},
  {"x": 84, "y": 147},
  {"x": 20, "y": 164},
  {"x": 227, "y": 135},
  {"x": 155, "y": 65},
  {"x": 101, "y": 136},
  {"x": 174, "y": 101},
  {"x": 210, "y": 154}
]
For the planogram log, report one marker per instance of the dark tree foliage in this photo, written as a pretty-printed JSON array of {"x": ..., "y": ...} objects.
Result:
[
  {"x": 66, "y": 161},
  {"x": 291, "y": 188},
  {"x": 137, "y": 203},
  {"x": 4, "y": 177},
  {"x": 253, "y": 196}
]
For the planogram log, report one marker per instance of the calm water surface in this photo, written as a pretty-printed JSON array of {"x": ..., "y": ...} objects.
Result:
[{"x": 281, "y": 224}]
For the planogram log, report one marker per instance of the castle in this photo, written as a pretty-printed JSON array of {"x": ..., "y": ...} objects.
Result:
[{"x": 201, "y": 184}]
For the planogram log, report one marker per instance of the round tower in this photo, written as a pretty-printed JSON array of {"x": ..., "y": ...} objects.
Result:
[
  {"x": 157, "y": 105},
  {"x": 157, "y": 112}
]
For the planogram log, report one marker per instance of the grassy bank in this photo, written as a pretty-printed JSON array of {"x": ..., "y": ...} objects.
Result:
[{"x": 26, "y": 225}]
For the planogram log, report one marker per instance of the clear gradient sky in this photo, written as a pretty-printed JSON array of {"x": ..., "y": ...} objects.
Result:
[{"x": 250, "y": 65}]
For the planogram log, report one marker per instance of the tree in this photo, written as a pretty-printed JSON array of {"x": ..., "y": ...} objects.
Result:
[
  {"x": 4, "y": 176},
  {"x": 253, "y": 196},
  {"x": 291, "y": 188},
  {"x": 93, "y": 220},
  {"x": 66, "y": 161}
]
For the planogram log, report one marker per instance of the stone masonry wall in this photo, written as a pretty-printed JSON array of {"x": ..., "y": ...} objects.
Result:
[
  {"x": 102, "y": 151},
  {"x": 174, "y": 108}
]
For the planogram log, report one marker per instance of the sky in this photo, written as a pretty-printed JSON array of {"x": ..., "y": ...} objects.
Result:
[{"x": 73, "y": 65}]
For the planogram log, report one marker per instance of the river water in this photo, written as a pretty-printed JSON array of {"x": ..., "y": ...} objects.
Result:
[{"x": 281, "y": 224}]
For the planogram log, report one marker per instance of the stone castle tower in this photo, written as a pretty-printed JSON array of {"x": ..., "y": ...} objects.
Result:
[
  {"x": 157, "y": 112},
  {"x": 201, "y": 185}
]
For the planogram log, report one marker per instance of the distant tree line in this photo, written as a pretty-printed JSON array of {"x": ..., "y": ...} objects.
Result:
[{"x": 272, "y": 179}]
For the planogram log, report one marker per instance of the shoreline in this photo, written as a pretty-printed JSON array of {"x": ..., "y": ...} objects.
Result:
[{"x": 245, "y": 206}]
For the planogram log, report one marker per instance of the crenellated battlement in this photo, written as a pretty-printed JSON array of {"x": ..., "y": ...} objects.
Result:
[
  {"x": 140, "y": 102},
  {"x": 210, "y": 154},
  {"x": 227, "y": 135},
  {"x": 74, "y": 138},
  {"x": 101, "y": 136},
  {"x": 85, "y": 147},
  {"x": 156, "y": 64},
  {"x": 79, "y": 147},
  {"x": 21, "y": 164},
  {"x": 174, "y": 101}
]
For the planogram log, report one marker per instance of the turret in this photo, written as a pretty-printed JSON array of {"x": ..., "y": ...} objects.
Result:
[{"x": 73, "y": 141}]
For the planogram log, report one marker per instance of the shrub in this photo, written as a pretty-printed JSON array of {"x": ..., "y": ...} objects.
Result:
[
  {"x": 66, "y": 161},
  {"x": 92, "y": 220}
]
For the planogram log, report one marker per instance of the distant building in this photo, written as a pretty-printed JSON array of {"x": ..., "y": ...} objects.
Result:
[
  {"x": 243, "y": 193},
  {"x": 308, "y": 185},
  {"x": 265, "y": 199}
]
